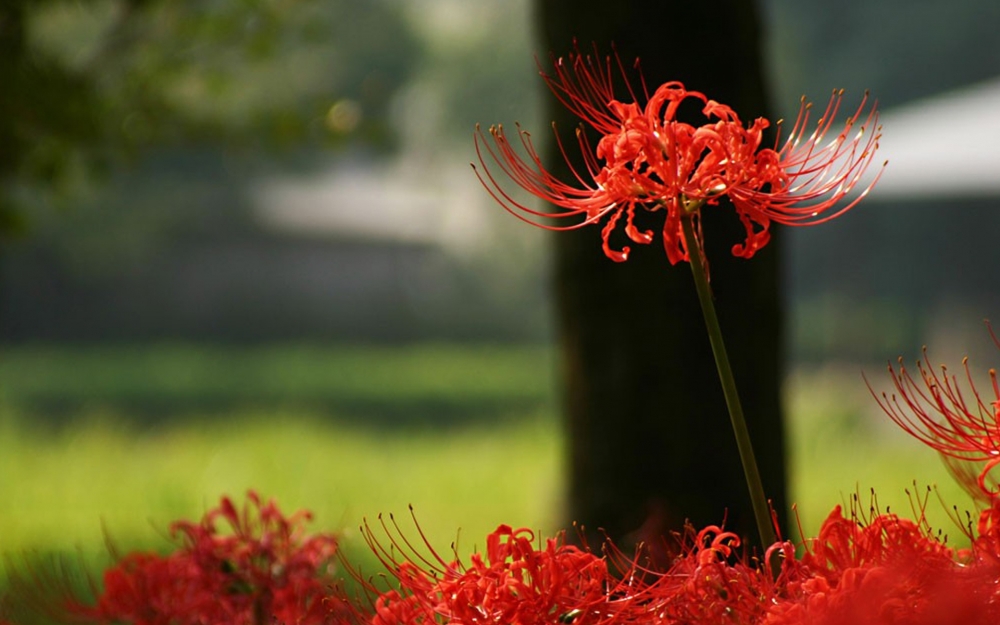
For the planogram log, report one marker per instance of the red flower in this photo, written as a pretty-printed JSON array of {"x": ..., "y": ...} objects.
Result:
[
  {"x": 646, "y": 159},
  {"x": 515, "y": 581},
  {"x": 889, "y": 571},
  {"x": 521, "y": 581},
  {"x": 710, "y": 583},
  {"x": 264, "y": 570},
  {"x": 882, "y": 570},
  {"x": 964, "y": 429}
]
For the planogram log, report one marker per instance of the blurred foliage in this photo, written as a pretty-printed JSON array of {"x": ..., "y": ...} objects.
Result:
[
  {"x": 87, "y": 81},
  {"x": 129, "y": 217},
  {"x": 194, "y": 105}
]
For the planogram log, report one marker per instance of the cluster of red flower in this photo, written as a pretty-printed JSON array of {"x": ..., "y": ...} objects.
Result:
[
  {"x": 881, "y": 571},
  {"x": 264, "y": 568}
]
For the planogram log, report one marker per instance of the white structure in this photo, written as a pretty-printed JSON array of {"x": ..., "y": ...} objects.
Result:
[{"x": 945, "y": 146}]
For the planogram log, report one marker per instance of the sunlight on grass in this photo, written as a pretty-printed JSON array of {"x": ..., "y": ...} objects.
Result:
[
  {"x": 841, "y": 443},
  {"x": 59, "y": 487}
]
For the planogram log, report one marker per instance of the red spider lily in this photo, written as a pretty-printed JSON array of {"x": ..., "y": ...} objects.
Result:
[
  {"x": 881, "y": 570},
  {"x": 645, "y": 158},
  {"x": 265, "y": 569},
  {"x": 513, "y": 582},
  {"x": 933, "y": 409},
  {"x": 520, "y": 581},
  {"x": 845, "y": 544},
  {"x": 887, "y": 571},
  {"x": 710, "y": 583}
]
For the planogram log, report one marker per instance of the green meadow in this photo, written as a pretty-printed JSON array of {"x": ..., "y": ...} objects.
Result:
[
  {"x": 123, "y": 440},
  {"x": 127, "y": 439}
]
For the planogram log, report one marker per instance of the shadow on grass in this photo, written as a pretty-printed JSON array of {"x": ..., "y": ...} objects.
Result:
[
  {"x": 402, "y": 386},
  {"x": 365, "y": 412}
]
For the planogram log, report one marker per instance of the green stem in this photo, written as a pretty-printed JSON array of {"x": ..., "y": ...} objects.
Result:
[{"x": 761, "y": 509}]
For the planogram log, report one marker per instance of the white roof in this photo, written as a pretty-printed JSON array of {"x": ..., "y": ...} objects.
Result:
[
  {"x": 945, "y": 146},
  {"x": 402, "y": 200}
]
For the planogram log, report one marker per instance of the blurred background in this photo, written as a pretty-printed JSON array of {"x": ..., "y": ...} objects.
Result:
[{"x": 242, "y": 247}]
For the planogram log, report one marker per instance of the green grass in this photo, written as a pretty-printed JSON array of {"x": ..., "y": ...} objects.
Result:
[
  {"x": 61, "y": 486},
  {"x": 278, "y": 422},
  {"x": 842, "y": 444}
]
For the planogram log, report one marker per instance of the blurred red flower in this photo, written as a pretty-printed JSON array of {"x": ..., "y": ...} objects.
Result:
[
  {"x": 646, "y": 159},
  {"x": 263, "y": 568},
  {"x": 888, "y": 571}
]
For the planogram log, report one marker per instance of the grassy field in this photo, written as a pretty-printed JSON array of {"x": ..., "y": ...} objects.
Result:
[
  {"x": 129, "y": 439},
  {"x": 133, "y": 438},
  {"x": 840, "y": 443}
]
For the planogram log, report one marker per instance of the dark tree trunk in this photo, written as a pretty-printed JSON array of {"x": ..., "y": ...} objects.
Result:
[{"x": 649, "y": 435}]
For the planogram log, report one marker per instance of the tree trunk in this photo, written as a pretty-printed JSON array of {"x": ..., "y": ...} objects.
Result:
[{"x": 649, "y": 435}]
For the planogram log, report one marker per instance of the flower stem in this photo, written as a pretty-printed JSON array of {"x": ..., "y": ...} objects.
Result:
[{"x": 761, "y": 509}]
